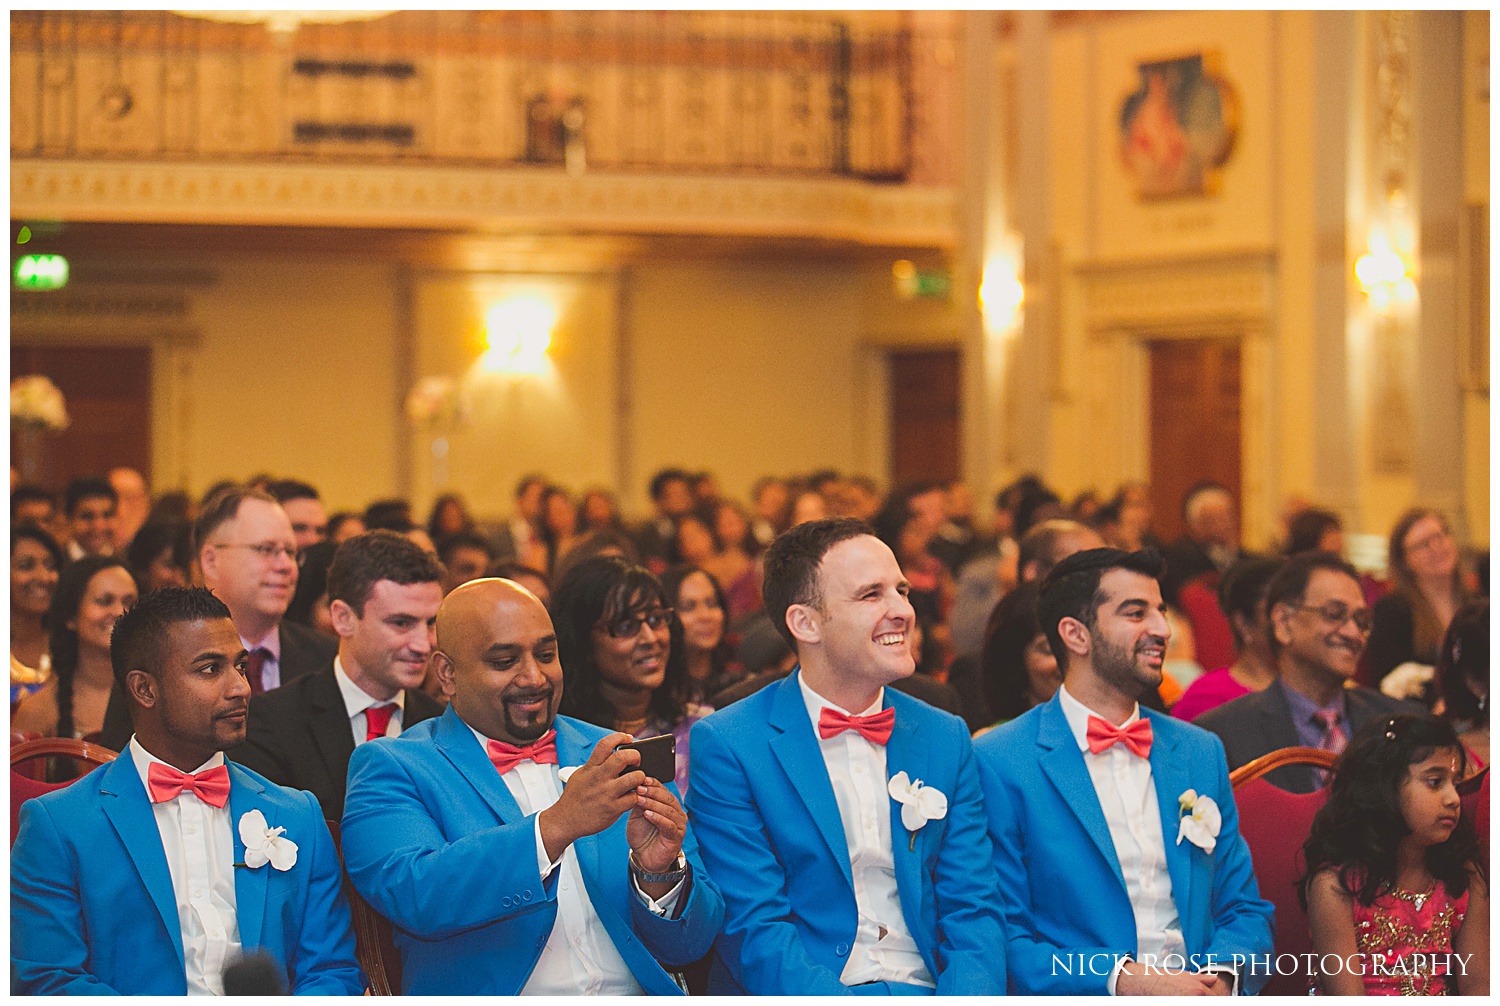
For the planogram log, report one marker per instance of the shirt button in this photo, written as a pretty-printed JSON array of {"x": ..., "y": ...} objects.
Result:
[
  {"x": 858, "y": 767},
  {"x": 191, "y": 829},
  {"x": 217, "y": 934},
  {"x": 197, "y": 892}
]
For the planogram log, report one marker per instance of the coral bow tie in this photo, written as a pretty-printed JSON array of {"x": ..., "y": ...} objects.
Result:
[
  {"x": 543, "y": 751},
  {"x": 211, "y": 785},
  {"x": 875, "y": 727},
  {"x": 1137, "y": 736}
]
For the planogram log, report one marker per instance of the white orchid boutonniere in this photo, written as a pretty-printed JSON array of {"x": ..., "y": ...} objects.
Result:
[
  {"x": 919, "y": 804},
  {"x": 264, "y": 844},
  {"x": 1200, "y": 820}
]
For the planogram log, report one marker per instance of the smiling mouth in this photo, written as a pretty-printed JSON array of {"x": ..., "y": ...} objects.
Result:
[
  {"x": 533, "y": 702},
  {"x": 891, "y": 639}
]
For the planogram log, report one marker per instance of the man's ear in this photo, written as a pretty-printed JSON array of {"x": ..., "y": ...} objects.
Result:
[
  {"x": 442, "y": 668},
  {"x": 345, "y": 621},
  {"x": 208, "y": 564},
  {"x": 802, "y": 620},
  {"x": 141, "y": 688},
  {"x": 1281, "y": 623},
  {"x": 1075, "y": 636}
]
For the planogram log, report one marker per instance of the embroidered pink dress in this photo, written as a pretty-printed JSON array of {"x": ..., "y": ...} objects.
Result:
[{"x": 1405, "y": 938}]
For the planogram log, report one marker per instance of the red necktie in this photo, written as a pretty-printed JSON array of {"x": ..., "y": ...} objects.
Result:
[
  {"x": 211, "y": 785},
  {"x": 253, "y": 667},
  {"x": 1137, "y": 736},
  {"x": 377, "y": 719},
  {"x": 543, "y": 751},
  {"x": 1334, "y": 738},
  {"x": 875, "y": 728}
]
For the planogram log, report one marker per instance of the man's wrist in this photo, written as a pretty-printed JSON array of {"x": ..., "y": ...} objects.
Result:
[
  {"x": 555, "y": 836},
  {"x": 674, "y": 872}
]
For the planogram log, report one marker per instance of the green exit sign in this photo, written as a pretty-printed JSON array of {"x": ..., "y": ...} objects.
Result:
[{"x": 41, "y": 272}]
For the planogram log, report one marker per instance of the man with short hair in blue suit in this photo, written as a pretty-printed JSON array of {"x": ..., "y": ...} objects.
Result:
[
  {"x": 153, "y": 873},
  {"x": 1115, "y": 831},
  {"x": 844, "y": 821},
  {"x": 515, "y": 850}
]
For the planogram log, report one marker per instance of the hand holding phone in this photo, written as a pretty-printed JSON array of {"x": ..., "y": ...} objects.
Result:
[{"x": 658, "y": 756}]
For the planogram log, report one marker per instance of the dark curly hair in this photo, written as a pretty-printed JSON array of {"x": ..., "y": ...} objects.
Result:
[
  {"x": 1358, "y": 831},
  {"x": 601, "y": 590}
]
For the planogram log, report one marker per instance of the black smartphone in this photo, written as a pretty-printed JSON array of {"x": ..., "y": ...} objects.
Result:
[{"x": 658, "y": 756}]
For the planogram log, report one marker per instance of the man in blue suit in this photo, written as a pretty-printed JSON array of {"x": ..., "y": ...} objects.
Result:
[
  {"x": 1115, "y": 832},
  {"x": 515, "y": 850},
  {"x": 150, "y": 875},
  {"x": 844, "y": 821}
]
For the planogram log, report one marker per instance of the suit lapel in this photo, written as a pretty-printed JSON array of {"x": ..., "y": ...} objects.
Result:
[
  {"x": 906, "y": 752},
  {"x": 245, "y": 795},
  {"x": 329, "y": 720},
  {"x": 1063, "y": 764},
  {"x": 796, "y": 748},
  {"x": 574, "y": 749},
  {"x": 1170, "y": 777},
  {"x": 128, "y": 808},
  {"x": 459, "y": 745}
]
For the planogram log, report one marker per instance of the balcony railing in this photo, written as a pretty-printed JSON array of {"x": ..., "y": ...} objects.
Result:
[{"x": 756, "y": 93}]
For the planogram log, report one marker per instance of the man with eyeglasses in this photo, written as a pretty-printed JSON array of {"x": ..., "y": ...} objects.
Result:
[
  {"x": 249, "y": 559},
  {"x": 1319, "y": 624}
]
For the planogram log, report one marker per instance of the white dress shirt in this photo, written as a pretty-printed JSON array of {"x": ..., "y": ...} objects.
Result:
[
  {"x": 883, "y": 950},
  {"x": 270, "y": 670},
  {"x": 357, "y": 700},
  {"x": 579, "y": 958},
  {"x": 1127, "y": 795},
  {"x": 199, "y": 844}
]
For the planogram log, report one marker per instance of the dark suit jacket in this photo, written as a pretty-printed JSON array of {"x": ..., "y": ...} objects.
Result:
[
  {"x": 1261, "y": 722},
  {"x": 299, "y": 736},
  {"x": 303, "y": 651}
]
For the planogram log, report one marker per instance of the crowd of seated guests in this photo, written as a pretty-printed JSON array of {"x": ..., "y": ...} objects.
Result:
[{"x": 661, "y": 623}]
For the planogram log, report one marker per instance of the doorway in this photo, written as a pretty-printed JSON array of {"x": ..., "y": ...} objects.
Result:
[
  {"x": 924, "y": 415},
  {"x": 108, "y": 394},
  {"x": 1195, "y": 424}
]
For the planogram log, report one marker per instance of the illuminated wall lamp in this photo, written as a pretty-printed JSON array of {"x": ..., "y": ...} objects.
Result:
[
  {"x": 518, "y": 332},
  {"x": 1385, "y": 276},
  {"x": 1001, "y": 295}
]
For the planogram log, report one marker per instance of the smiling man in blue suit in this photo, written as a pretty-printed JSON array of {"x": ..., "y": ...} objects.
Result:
[
  {"x": 515, "y": 850},
  {"x": 151, "y": 874},
  {"x": 1115, "y": 832},
  {"x": 844, "y": 821}
]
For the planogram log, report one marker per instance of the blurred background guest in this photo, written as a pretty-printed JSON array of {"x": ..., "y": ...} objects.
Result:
[
  {"x": 1242, "y": 599},
  {"x": 1427, "y": 588},
  {"x": 161, "y": 555},
  {"x": 599, "y": 510},
  {"x": 1464, "y": 677},
  {"x": 465, "y": 556},
  {"x": 34, "y": 562},
  {"x": 702, "y": 608},
  {"x": 449, "y": 517},
  {"x": 1314, "y": 529},
  {"x": 1018, "y": 668},
  {"x": 732, "y": 563},
  {"x": 345, "y": 525},
  {"x": 559, "y": 523}
]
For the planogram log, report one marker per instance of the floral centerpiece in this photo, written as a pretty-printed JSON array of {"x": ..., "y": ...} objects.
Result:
[{"x": 36, "y": 402}]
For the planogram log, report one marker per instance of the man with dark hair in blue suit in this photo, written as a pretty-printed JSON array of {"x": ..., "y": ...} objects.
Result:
[
  {"x": 151, "y": 874},
  {"x": 515, "y": 850},
  {"x": 844, "y": 821},
  {"x": 1116, "y": 837}
]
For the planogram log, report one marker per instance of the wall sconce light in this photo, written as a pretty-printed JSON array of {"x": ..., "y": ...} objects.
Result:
[
  {"x": 518, "y": 332},
  {"x": 1001, "y": 292},
  {"x": 1385, "y": 275}
]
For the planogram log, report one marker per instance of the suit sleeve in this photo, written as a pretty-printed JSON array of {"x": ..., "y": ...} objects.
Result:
[
  {"x": 400, "y": 862},
  {"x": 760, "y": 947},
  {"x": 971, "y": 951},
  {"x": 677, "y": 942},
  {"x": 324, "y": 961},
  {"x": 1029, "y": 957},
  {"x": 1242, "y": 918},
  {"x": 49, "y": 949}
]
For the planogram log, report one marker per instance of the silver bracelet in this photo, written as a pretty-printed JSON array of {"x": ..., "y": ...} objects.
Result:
[{"x": 675, "y": 874}]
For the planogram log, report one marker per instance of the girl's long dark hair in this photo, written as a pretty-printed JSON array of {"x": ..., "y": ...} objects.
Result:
[
  {"x": 718, "y": 657},
  {"x": 603, "y": 589},
  {"x": 1013, "y": 624},
  {"x": 1358, "y": 831},
  {"x": 68, "y": 598}
]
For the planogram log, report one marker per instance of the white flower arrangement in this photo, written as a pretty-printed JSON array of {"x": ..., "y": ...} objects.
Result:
[
  {"x": 1200, "y": 820},
  {"x": 919, "y": 804},
  {"x": 264, "y": 844},
  {"x": 36, "y": 401},
  {"x": 435, "y": 399}
]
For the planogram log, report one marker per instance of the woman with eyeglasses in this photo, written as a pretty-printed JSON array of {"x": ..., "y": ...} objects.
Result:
[
  {"x": 1427, "y": 590},
  {"x": 91, "y": 595},
  {"x": 622, "y": 653}
]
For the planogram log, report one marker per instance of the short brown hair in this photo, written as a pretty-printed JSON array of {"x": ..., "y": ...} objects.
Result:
[
  {"x": 223, "y": 507},
  {"x": 791, "y": 566},
  {"x": 366, "y": 559}
]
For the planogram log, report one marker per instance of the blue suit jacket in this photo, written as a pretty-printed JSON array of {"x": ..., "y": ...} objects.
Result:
[
  {"x": 1059, "y": 873},
  {"x": 772, "y": 837},
  {"x": 92, "y": 909},
  {"x": 436, "y": 843}
]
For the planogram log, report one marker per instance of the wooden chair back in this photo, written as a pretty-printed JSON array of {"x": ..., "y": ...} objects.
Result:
[
  {"x": 28, "y": 762},
  {"x": 374, "y": 940}
]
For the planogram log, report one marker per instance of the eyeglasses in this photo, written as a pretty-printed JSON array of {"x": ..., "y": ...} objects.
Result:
[
  {"x": 270, "y": 551},
  {"x": 630, "y": 626},
  {"x": 1336, "y": 613}
]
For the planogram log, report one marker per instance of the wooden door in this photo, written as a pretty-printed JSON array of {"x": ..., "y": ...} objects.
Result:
[
  {"x": 1195, "y": 423},
  {"x": 108, "y": 395},
  {"x": 924, "y": 419}
]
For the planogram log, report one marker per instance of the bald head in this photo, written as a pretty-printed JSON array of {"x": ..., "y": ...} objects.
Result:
[
  {"x": 497, "y": 655},
  {"x": 1050, "y": 542}
]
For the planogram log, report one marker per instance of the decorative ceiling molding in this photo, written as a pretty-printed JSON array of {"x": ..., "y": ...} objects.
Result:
[
  {"x": 1237, "y": 290},
  {"x": 438, "y": 198}
]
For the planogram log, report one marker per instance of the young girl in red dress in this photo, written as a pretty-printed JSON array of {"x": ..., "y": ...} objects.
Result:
[{"x": 1396, "y": 894}]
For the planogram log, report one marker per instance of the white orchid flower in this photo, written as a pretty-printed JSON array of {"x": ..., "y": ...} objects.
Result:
[
  {"x": 919, "y": 803},
  {"x": 1200, "y": 821},
  {"x": 264, "y": 844}
]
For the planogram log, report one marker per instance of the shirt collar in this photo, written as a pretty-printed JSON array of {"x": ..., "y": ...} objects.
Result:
[
  {"x": 271, "y": 644},
  {"x": 1077, "y": 715},
  {"x": 1304, "y": 709},
  {"x": 143, "y": 760},
  {"x": 356, "y": 699},
  {"x": 815, "y": 702}
]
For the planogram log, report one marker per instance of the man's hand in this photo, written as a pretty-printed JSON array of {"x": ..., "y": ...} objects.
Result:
[
  {"x": 596, "y": 795},
  {"x": 655, "y": 831},
  {"x": 1136, "y": 980}
]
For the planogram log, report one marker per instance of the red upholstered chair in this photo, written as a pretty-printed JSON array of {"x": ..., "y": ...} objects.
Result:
[
  {"x": 27, "y": 782},
  {"x": 1275, "y": 823},
  {"x": 374, "y": 942},
  {"x": 1213, "y": 640}
]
